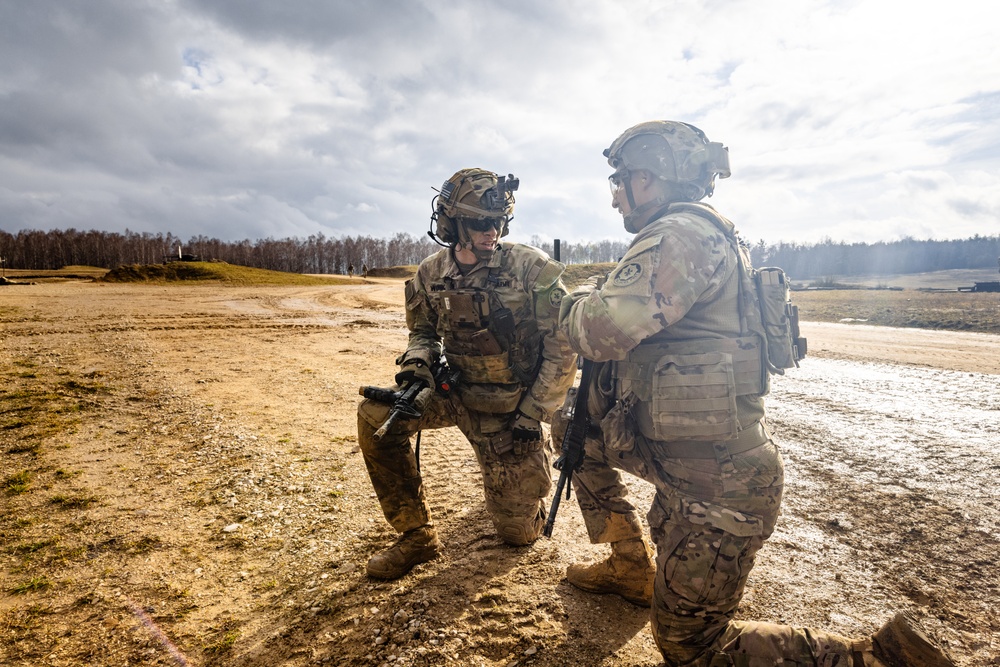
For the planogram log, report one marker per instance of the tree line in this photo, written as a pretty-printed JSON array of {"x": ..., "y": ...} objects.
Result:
[
  {"x": 316, "y": 254},
  {"x": 31, "y": 249},
  {"x": 830, "y": 259}
]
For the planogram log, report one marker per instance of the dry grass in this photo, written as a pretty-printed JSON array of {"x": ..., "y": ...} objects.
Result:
[
  {"x": 578, "y": 273},
  {"x": 64, "y": 274},
  {"x": 222, "y": 272},
  {"x": 958, "y": 311},
  {"x": 404, "y": 272}
]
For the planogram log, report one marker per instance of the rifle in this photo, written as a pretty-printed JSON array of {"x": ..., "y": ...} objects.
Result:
[
  {"x": 409, "y": 400},
  {"x": 572, "y": 445}
]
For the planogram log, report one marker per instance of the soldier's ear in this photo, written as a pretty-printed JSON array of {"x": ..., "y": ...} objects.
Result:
[{"x": 644, "y": 180}]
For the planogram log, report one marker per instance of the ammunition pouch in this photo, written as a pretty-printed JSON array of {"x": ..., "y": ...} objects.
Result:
[
  {"x": 686, "y": 390},
  {"x": 492, "y": 398},
  {"x": 485, "y": 369},
  {"x": 482, "y": 339},
  {"x": 618, "y": 426}
]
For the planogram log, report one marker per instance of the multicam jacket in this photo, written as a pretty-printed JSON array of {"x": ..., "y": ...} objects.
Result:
[
  {"x": 497, "y": 325},
  {"x": 672, "y": 316}
]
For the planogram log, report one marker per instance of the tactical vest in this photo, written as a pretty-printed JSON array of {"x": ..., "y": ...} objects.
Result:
[
  {"x": 686, "y": 388},
  {"x": 490, "y": 334}
]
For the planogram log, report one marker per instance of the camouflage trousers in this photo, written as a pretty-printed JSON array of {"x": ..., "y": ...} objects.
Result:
[
  {"x": 515, "y": 482},
  {"x": 709, "y": 518}
]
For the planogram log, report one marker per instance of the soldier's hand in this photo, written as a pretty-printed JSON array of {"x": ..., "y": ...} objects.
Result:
[
  {"x": 527, "y": 432},
  {"x": 414, "y": 369},
  {"x": 587, "y": 286}
]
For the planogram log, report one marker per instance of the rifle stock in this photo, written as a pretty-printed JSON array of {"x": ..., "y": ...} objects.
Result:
[{"x": 572, "y": 445}]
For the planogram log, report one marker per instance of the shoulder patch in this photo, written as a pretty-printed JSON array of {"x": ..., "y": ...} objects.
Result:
[
  {"x": 556, "y": 297},
  {"x": 627, "y": 274},
  {"x": 634, "y": 274}
]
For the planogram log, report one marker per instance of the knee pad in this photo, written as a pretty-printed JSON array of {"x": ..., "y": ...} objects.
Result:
[
  {"x": 519, "y": 532},
  {"x": 372, "y": 412}
]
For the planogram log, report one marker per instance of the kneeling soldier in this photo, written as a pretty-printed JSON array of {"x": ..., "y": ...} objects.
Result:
[
  {"x": 491, "y": 308},
  {"x": 678, "y": 338}
]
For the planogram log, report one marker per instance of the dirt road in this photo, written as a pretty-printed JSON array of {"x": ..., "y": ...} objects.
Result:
[{"x": 182, "y": 486}]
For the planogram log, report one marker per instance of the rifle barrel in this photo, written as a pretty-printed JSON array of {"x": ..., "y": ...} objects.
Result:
[
  {"x": 550, "y": 522},
  {"x": 572, "y": 445}
]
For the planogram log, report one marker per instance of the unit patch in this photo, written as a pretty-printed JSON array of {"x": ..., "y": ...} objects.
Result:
[
  {"x": 628, "y": 274},
  {"x": 556, "y": 297}
]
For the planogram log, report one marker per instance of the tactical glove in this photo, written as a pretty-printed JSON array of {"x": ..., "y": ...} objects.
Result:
[
  {"x": 581, "y": 292},
  {"x": 414, "y": 369},
  {"x": 526, "y": 433},
  {"x": 587, "y": 286}
]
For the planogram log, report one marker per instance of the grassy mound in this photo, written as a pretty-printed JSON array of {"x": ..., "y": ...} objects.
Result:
[
  {"x": 66, "y": 273},
  {"x": 394, "y": 272},
  {"x": 213, "y": 271},
  {"x": 82, "y": 270},
  {"x": 578, "y": 273}
]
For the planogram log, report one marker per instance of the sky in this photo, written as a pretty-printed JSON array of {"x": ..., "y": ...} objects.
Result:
[{"x": 854, "y": 121}]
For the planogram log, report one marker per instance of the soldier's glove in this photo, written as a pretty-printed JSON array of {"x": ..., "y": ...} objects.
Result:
[
  {"x": 527, "y": 432},
  {"x": 588, "y": 285},
  {"x": 579, "y": 293},
  {"x": 414, "y": 369}
]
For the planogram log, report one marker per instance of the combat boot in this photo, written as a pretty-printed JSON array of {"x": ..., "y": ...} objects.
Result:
[
  {"x": 628, "y": 572},
  {"x": 415, "y": 546},
  {"x": 901, "y": 642}
]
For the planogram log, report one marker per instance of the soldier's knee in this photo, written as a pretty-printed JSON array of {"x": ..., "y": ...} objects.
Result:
[
  {"x": 372, "y": 413},
  {"x": 520, "y": 531},
  {"x": 517, "y": 534},
  {"x": 680, "y": 643},
  {"x": 371, "y": 416}
]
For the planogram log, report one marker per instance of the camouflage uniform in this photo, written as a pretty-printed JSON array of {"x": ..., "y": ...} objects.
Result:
[
  {"x": 525, "y": 365},
  {"x": 668, "y": 324}
]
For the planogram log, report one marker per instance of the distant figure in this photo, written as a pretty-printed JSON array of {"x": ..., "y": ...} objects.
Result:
[
  {"x": 350, "y": 270},
  {"x": 364, "y": 270}
]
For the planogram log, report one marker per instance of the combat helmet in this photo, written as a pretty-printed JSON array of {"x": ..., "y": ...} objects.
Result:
[
  {"x": 672, "y": 151},
  {"x": 469, "y": 198}
]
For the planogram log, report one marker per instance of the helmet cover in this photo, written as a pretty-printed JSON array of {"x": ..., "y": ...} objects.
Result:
[
  {"x": 675, "y": 152},
  {"x": 472, "y": 194}
]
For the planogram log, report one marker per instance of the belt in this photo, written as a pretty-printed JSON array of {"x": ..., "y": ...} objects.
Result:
[{"x": 748, "y": 438}]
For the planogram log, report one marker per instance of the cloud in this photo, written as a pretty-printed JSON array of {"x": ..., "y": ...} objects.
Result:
[{"x": 845, "y": 120}]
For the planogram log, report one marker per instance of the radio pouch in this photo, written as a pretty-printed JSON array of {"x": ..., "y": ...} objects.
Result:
[{"x": 785, "y": 345}]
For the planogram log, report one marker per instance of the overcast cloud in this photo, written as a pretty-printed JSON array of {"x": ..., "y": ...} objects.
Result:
[{"x": 855, "y": 121}]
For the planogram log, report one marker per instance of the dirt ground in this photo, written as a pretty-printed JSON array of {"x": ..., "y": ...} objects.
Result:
[{"x": 187, "y": 489}]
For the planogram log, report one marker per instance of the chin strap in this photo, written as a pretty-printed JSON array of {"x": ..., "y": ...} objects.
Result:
[
  {"x": 633, "y": 216},
  {"x": 464, "y": 238},
  {"x": 465, "y": 243}
]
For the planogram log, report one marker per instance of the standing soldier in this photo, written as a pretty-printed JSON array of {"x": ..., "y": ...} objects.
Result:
[
  {"x": 492, "y": 309},
  {"x": 677, "y": 335},
  {"x": 364, "y": 270},
  {"x": 350, "y": 270}
]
